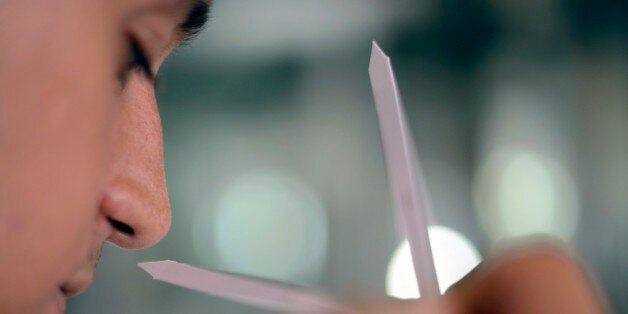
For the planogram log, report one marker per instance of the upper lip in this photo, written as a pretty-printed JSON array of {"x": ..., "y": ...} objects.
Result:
[{"x": 83, "y": 276}]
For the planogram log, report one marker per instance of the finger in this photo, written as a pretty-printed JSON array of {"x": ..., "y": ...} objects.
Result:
[{"x": 537, "y": 278}]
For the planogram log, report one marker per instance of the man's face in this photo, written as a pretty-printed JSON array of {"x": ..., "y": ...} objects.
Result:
[{"x": 80, "y": 139}]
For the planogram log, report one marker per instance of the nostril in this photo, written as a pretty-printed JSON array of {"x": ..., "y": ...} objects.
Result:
[{"x": 122, "y": 227}]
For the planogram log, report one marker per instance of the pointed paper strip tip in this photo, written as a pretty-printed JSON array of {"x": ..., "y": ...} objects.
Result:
[
  {"x": 153, "y": 268},
  {"x": 377, "y": 49},
  {"x": 148, "y": 267},
  {"x": 378, "y": 57}
]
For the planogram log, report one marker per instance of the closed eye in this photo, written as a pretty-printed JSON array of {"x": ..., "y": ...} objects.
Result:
[{"x": 137, "y": 60}]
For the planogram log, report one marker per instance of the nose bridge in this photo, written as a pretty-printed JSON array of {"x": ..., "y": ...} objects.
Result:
[{"x": 136, "y": 200}]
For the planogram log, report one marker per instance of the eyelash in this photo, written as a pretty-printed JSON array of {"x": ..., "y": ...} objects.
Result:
[{"x": 137, "y": 60}]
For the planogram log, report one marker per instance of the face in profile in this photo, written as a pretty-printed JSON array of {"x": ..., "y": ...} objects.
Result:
[{"x": 80, "y": 138}]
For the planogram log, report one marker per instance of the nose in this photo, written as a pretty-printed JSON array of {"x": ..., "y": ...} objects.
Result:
[{"x": 136, "y": 200}]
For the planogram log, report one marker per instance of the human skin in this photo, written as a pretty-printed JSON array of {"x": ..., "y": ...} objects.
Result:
[
  {"x": 80, "y": 141},
  {"x": 534, "y": 278}
]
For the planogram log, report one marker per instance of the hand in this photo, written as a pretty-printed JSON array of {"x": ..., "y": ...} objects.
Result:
[{"x": 535, "y": 278}]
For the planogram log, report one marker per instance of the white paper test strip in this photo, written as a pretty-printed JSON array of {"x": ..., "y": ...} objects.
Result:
[
  {"x": 260, "y": 293},
  {"x": 407, "y": 187},
  {"x": 404, "y": 174}
]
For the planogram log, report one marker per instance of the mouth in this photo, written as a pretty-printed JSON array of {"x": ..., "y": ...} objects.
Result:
[{"x": 76, "y": 283}]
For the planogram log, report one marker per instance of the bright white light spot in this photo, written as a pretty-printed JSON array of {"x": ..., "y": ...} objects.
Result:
[
  {"x": 268, "y": 224},
  {"x": 519, "y": 193},
  {"x": 454, "y": 257}
]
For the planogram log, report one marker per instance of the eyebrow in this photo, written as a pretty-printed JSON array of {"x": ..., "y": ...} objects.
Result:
[{"x": 196, "y": 20}]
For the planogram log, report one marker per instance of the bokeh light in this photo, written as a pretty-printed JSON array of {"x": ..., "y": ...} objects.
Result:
[
  {"x": 454, "y": 257},
  {"x": 520, "y": 193},
  {"x": 267, "y": 224}
]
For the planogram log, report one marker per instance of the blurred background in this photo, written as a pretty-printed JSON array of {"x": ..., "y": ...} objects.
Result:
[{"x": 519, "y": 110}]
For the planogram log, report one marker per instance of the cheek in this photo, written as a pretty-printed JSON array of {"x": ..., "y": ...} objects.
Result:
[{"x": 56, "y": 102}]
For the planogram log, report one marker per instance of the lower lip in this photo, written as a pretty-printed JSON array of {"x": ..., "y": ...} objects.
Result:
[{"x": 60, "y": 300}]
